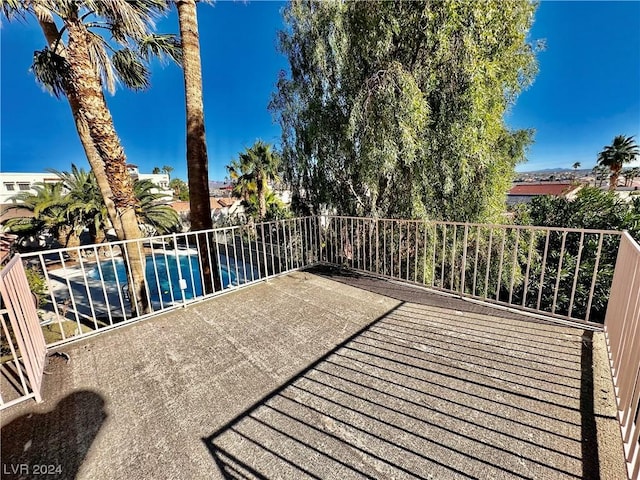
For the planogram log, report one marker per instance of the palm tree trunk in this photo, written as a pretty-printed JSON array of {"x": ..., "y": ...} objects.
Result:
[
  {"x": 613, "y": 179},
  {"x": 85, "y": 87},
  {"x": 197, "y": 160},
  {"x": 262, "y": 201},
  {"x": 52, "y": 34}
]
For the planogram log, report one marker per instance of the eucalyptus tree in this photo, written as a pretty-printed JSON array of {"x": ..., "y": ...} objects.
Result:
[
  {"x": 621, "y": 151},
  {"x": 197, "y": 159},
  {"x": 77, "y": 63},
  {"x": 397, "y": 108}
]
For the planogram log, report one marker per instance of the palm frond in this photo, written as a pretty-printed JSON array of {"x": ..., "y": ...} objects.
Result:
[
  {"x": 161, "y": 46},
  {"x": 13, "y": 9},
  {"x": 128, "y": 18},
  {"x": 50, "y": 70},
  {"x": 131, "y": 71}
]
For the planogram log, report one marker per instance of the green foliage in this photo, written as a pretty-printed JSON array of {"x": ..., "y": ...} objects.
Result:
[
  {"x": 37, "y": 285},
  {"x": 251, "y": 174},
  {"x": 592, "y": 209},
  {"x": 152, "y": 210},
  {"x": 396, "y": 108},
  {"x": 276, "y": 210},
  {"x": 66, "y": 208},
  {"x": 48, "y": 207},
  {"x": 180, "y": 188}
]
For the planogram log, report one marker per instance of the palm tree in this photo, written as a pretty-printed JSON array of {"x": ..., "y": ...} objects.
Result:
[
  {"x": 633, "y": 174},
  {"x": 600, "y": 173},
  {"x": 197, "y": 160},
  {"x": 156, "y": 170},
  {"x": 179, "y": 188},
  {"x": 49, "y": 213},
  {"x": 622, "y": 150},
  {"x": 167, "y": 169},
  {"x": 80, "y": 69},
  {"x": 152, "y": 211},
  {"x": 255, "y": 168},
  {"x": 575, "y": 167},
  {"x": 243, "y": 183}
]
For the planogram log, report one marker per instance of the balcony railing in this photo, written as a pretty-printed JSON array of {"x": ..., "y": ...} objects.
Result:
[
  {"x": 88, "y": 286},
  {"x": 622, "y": 328},
  {"x": 559, "y": 272},
  {"x": 562, "y": 273}
]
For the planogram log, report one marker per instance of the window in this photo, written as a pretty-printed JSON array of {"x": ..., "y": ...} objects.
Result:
[
  {"x": 11, "y": 187},
  {"x": 24, "y": 186}
]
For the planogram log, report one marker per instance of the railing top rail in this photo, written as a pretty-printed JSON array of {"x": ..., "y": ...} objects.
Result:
[
  {"x": 486, "y": 225},
  {"x": 157, "y": 238},
  {"x": 632, "y": 241},
  {"x": 7, "y": 268}
]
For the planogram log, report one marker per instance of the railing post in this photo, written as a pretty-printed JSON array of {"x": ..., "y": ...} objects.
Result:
[
  {"x": 181, "y": 281},
  {"x": 464, "y": 258},
  {"x": 264, "y": 251}
]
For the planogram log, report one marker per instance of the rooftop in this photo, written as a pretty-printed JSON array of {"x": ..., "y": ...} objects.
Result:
[
  {"x": 543, "y": 188},
  {"x": 324, "y": 374}
]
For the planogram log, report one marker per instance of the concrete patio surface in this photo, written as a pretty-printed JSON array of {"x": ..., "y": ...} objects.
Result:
[{"x": 322, "y": 375}]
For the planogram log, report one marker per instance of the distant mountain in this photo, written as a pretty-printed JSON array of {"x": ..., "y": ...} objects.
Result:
[{"x": 549, "y": 171}]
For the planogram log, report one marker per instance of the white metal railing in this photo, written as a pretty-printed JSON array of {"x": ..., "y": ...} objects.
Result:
[
  {"x": 622, "y": 330},
  {"x": 560, "y": 272},
  {"x": 22, "y": 345},
  {"x": 89, "y": 287}
]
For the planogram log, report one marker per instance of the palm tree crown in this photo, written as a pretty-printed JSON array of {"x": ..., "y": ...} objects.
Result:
[
  {"x": 622, "y": 150},
  {"x": 252, "y": 171}
]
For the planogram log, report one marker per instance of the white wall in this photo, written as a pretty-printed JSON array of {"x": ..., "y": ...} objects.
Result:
[{"x": 12, "y": 183}]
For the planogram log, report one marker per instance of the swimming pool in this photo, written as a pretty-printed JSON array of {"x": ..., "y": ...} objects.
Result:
[{"x": 164, "y": 274}]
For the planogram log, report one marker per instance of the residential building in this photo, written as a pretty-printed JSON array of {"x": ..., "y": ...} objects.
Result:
[
  {"x": 524, "y": 192},
  {"x": 222, "y": 209},
  {"x": 12, "y": 183}
]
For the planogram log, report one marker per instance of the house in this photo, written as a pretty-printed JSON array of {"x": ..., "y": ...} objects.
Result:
[
  {"x": 524, "y": 192},
  {"x": 222, "y": 209}
]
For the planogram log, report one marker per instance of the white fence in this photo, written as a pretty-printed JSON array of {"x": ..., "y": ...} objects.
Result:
[
  {"x": 622, "y": 328},
  {"x": 22, "y": 345},
  {"x": 89, "y": 287},
  {"x": 559, "y": 272}
]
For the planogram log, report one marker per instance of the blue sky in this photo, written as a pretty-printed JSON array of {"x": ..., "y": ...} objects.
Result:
[{"x": 587, "y": 91}]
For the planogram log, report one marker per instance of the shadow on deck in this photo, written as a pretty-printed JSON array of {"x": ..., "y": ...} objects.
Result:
[{"x": 322, "y": 375}]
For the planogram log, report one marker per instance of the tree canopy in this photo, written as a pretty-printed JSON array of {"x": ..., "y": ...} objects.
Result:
[{"x": 396, "y": 108}]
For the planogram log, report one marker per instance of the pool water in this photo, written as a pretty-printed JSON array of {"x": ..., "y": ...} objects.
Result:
[{"x": 169, "y": 272}]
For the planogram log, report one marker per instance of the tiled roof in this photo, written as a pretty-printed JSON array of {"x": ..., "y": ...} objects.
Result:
[
  {"x": 556, "y": 189},
  {"x": 226, "y": 202}
]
